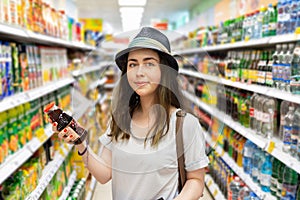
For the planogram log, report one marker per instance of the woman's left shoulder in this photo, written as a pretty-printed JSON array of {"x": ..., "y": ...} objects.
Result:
[{"x": 191, "y": 118}]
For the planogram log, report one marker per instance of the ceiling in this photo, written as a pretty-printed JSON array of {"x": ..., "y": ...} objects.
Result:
[{"x": 108, "y": 10}]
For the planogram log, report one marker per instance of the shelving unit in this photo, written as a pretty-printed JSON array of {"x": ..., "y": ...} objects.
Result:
[
  {"x": 239, "y": 171},
  {"x": 71, "y": 181},
  {"x": 264, "y": 143},
  {"x": 27, "y": 96},
  {"x": 86, "y": 70},
  {"x": 213, "y": 188},
  {"x": 271, "y": 92},
  {"x": 49, "y": 172},
  {"x": 16, "y": 160},
  {"x": 263, "y": 42},
  {"x": 29, "y": 36},
  {"x": 91, "y": 189}
]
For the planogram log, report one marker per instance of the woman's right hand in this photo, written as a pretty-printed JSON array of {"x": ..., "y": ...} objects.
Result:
[{"x": 67, "y": 134}]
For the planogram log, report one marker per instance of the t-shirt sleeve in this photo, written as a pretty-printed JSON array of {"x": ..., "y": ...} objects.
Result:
[
  {"x": 194, "y": 144},
  {"x": 105, "y": 140}
]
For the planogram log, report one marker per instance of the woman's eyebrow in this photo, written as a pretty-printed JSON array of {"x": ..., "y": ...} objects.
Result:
[{"x": 144, "y": 59}]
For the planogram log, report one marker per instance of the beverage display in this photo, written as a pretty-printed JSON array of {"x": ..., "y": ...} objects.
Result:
[
  {"x": 266, "y": 173},
  {"x": 289, "y": 184},
  {"x": 63, "y": 120}
]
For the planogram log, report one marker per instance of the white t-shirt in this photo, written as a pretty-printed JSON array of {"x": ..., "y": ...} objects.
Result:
[{"x": 146, "y": 173}]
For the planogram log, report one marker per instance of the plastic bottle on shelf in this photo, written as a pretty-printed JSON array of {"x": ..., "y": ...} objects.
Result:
[
  {"x": 272, "y": 20},
  {"x": 284, "y": 109},
  {"x": 287, "y": 16},
  {"x": 287, "y": 72},
  {"x": 269, "y": 118},
  {"x": 295, "y": 78},
  {"x": 247, "y": 156},
  {"x": 257, "y": 160},
  {"x": 298, "y": 192},
  {"x": 234, "y": 188},
  {"x": 288, "y": 128},
  {"x": 252, "y": 111},
  {"x": 260, "y": 102},
  {"x": 266, "y": 173},
  {"x": 295, "y": 137},
  {"x": 280, "y": 169},
  {"x": 274, "y": 178},
  {"x": 281, "y": 67},
  {"x": 265, "y": 22},
  {"x": 289, "y": 185},
  {"x": 280, "y": 16}
]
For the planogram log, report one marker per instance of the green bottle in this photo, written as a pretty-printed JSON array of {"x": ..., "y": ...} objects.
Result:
[
  {"x": 274, "y": 178},
  {"x": 289, "y": 184}
]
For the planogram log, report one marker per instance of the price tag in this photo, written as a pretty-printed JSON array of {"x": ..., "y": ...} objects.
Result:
[
  {"x": 209, "y": 183},
  {"x": 40, "y": 134},
  {"x": 271, "y": 147},
  {"x": 215, "y": 193}
]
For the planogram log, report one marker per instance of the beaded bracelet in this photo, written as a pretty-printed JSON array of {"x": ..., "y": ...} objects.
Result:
[{"x": 82, "y": 153}]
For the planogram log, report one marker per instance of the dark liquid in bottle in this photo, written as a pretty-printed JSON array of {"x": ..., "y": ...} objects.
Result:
[{"x": 63, "y": 120}]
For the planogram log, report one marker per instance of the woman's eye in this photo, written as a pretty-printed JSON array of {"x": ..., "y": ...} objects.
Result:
[
  {"x": 132, "y": 65},
  {"x": 149, "y": 64}
]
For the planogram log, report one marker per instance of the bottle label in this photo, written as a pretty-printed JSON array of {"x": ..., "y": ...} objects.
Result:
[
  {"x": 254, "y": 172},
  {"x": 269, "y": 78},
  {"x": 274, "y": 183},
  {"x": 294, "y": 140},
  {"x": 265, "y": 179},
  {"x": 251, "y": 112},
  {"x": 265, "y": 117},
  {"x": 279, "y": 188},
  {"x": 272, "y": 26},
  {"x": 287, "y": 132}
]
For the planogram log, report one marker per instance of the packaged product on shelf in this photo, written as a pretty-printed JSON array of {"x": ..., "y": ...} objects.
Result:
[
  {"x": 5, "y": 11},
  {"x": 24, "y": 67},
  {"x": 289, "y": 184},
  {"x": 16, "y": 78},
  {"x": 21, "y": 126},
  {"x": 13, "y": 130},
  {"x": 27, "y": 119},
  {"x": 13, "y": 12}
]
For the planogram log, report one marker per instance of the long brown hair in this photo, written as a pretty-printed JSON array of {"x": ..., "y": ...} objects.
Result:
[{"x": 126, "y": 101}]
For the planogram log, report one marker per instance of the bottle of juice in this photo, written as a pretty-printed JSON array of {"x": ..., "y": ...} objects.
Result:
[
  {"x": 63, "y": 120},
  {"x": 12, "y": 130}
]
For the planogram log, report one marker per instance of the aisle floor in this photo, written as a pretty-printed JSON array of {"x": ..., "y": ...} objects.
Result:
[{"x": 103, "y": 192}]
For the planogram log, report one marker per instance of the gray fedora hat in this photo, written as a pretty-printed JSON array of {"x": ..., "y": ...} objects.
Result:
[{"x": 149, "y": 38}]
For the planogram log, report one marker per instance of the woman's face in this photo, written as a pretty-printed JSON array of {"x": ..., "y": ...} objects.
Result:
[{"x": 143, "y": 71}]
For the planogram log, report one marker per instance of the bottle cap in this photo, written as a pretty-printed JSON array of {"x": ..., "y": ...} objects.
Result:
[{"x": 48, "y": 107}]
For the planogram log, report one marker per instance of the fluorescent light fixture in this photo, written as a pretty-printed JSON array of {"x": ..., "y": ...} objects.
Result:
[
  {"x": 131, "y": 17},
  {"x": 135, "y": 10},
  {"x": 132, "y": 2}
]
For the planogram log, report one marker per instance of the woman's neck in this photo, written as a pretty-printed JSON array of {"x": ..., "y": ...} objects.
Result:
[{"x": 146, "y": 104}]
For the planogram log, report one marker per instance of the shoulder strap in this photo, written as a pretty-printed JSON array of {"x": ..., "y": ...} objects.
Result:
[{"x": 180, "y": 114}]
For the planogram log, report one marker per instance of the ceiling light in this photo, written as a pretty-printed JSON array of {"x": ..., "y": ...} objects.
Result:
[
  {"x": 135, "y": 10},
  {"x": 132, "y": 2}
]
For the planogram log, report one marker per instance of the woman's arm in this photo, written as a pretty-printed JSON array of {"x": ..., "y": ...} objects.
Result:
[
  {"x": 194, "y": 186},
  {"x": 98, "y": 166}
]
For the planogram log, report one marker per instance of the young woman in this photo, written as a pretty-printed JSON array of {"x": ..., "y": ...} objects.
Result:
[{"x": 139, "y": 148}]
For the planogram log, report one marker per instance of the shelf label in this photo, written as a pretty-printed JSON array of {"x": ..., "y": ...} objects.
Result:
[
  {"x": 271, "y": 147},
  {"x": 209, "y": 183},
  {"x": 215, "y": 193}
]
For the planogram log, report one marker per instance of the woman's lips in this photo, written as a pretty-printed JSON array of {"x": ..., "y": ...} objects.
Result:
[{"x": 140, "y": 83}]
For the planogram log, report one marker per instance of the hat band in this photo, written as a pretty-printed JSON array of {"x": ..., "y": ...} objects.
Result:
[{"x": 148, "y": 43}]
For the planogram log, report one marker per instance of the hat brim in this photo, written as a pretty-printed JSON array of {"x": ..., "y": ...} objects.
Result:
[{"x": 121, "y": 57}]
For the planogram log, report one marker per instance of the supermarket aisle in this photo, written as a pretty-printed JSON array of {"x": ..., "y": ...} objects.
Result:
[{"x": 103, "y": 192}]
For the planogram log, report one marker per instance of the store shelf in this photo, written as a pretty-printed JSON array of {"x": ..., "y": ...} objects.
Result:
[
  {"x": 24, "y": 97},
  {"x": 71, "y": 181},
  {"x": 91, "y": 189},
  {"x": 86, "y": 70},
  {"x": 271, "y": 92},
  {"x": 26, "y": 35},
  {"x": 239, "y": 171},
  {"x": 272, "y": 146},
  {"x": 97, "y": 83},
  {"x": 263, "y": 42},
  {"x": 213, "y": 188},
  {"x": 110, "y": 85},
  {"x": 49, "y": 171}
]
